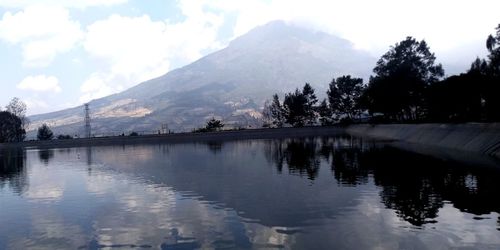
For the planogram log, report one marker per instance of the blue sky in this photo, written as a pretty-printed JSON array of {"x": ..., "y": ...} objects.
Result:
[{"x": 61, "y": 53}]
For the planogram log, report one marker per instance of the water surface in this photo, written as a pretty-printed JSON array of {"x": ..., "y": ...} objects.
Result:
[{"x": 314, "y": 193}]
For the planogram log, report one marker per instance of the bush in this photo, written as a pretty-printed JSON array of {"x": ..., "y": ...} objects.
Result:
[{"x": 64, "y": 137}]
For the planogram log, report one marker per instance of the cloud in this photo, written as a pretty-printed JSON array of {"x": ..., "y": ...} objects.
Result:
[
  {"x": 35, "y": 105},
  {"x": 64, "y": 3},
  {"x": 375, "y": 25},
  {"x": 42, "y": 32},
  {"x": 40, "y": 83},
  {"x": 96, "y": 86},
  {"x": 135, "y": 49}
]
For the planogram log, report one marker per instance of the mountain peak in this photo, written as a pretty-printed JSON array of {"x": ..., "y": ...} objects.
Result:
[{"x": 231, "y": 84}]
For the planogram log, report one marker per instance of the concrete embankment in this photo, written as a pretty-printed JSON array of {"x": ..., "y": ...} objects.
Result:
[
  {"x": 185, "y": 137},
  {"x": 480, "y": 138}
]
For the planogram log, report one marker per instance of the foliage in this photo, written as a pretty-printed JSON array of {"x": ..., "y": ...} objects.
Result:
[
  {"x": 401, "y": 77},
  {"x": 343, "y": 95},
  {"x": 11, "y": 129},
  {"x": 493, "y": 46},
  {"x": 273, "y": 113},
  {"x": 214, "y": 125},
  {"x": 277, "y": 112},
  {"x": 45, "y": 133},
  {"x": 325, "y": 113},
  {"x": 299, "y": 108},
  {"x": 18, "y": 108},
  {"x": 454, "y": 99},
  {"x": 64, "y": 137},
  {"x": 133, "y": 134},
  {"x": 311, "y": 100}
]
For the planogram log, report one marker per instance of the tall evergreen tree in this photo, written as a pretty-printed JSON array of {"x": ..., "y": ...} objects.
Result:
[
  {"x": 44, "y": 133},
  {"x": 299, "y": 107},
  {"x": 325, "y": 113},
  {"x": 311, "y": 100},
  {"x": 401, "y": 77},
  {"x": 277, "y": 112}
]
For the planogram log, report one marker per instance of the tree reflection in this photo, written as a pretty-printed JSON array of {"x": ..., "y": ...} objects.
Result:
[
  {"x": 300, "y": 156},
  {"x": 12, "y": 169},
  {"x": 413, "y": 185},
  {"x": 214, "y": 146},
  {"x": 45, "y": 155}
]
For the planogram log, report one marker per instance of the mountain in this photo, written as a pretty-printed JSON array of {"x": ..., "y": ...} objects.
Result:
[{"x": 231, "y": 84}]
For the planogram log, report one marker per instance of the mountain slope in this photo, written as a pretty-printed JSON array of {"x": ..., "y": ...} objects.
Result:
[{"x": 231, "y": 84}]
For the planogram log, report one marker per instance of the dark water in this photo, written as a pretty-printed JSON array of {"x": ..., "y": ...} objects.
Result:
[{"x": 315, "y": 193}]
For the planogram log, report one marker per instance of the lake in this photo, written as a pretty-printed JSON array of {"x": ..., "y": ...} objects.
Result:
[{"x": 298, "y": 193}]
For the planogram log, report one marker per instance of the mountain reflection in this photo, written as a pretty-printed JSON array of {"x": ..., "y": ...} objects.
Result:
[
  {"x": 12, "y": 169},
  {"x": 415, "y": 186}
]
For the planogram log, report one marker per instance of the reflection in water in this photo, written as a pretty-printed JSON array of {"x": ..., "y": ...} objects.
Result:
[
  {"x": 214, "y": 146},
  {"x": 12, "y": 169},
  {"x": 309, "y": 193},
  {"x": 415, "y": 186},
  {"x": 45, "y": 155}
]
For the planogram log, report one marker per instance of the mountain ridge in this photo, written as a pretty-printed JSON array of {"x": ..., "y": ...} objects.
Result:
[{"x": 231, "y": 84}]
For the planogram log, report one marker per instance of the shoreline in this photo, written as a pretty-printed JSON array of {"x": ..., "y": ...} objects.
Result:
[
  {"x": 229, "y": 135},
  {"x": 472, "y": 143}
]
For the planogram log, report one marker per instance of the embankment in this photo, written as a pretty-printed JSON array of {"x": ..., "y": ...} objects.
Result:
[
  {"x": 184, "y": 137},
  {"x": 478, "y": 138}
]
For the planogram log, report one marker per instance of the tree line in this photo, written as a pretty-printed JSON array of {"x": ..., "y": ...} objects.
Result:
[
  {"x": 407, "y": 86},
  {"x": 13, "y": 124}
]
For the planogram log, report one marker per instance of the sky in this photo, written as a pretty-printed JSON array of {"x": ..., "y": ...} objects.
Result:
[{"x": 57, "y": 54}]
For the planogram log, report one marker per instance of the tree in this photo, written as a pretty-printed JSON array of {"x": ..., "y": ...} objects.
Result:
[
  {"x": 18, "y": 108},
  {"x": 401, "y": 77},
  {"x": 343, "y": 95},
  {"x": 455, "y": 99},
  {"x": 299, "y": 108},
  {"x": 325, "y": 113},
  {"x": 44, "y": 133},
  {"x": 11, "y": 129},
  {"x": 277, "y": 112},
  {"x": 294, "y": 107},
  {"x": 491, "y": 77},
  {"x": 214, "y": 125},
  {"x": 493, "y": 46},
  {"x": 311, "y": 101},
  {"x": 64, "y": 137}
]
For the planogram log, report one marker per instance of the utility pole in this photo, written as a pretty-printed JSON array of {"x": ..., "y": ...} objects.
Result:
[{"x": 88, "y": 130}]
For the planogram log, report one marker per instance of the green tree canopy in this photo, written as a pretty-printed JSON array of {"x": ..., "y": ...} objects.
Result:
[
  {"x": 277, "y": 112},
  {"x": 18, "y": 108},
  {"x": 11, "y": 129},
  {"x": 299, "y": 108},
  {"x": 214, "y": 125},
  {"x": 343, "y": 94},
  {"x": 44, "y": 133},
  {"x": 401, "y": 77}
]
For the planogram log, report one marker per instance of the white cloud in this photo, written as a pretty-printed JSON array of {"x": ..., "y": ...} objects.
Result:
[
  {"x": 42, "y": 32},
  {"x": 40, "y": 83},
  {"x": 97, "y": 86},
  {"x": 136, "y": 49},
  {"x": 64, "y": 3},
  {"x": 35, "y": 105},
  {"x": 375, "y": 25}
]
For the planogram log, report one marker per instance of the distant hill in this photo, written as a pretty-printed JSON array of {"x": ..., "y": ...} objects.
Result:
[{"x": 231, "y": 84}]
